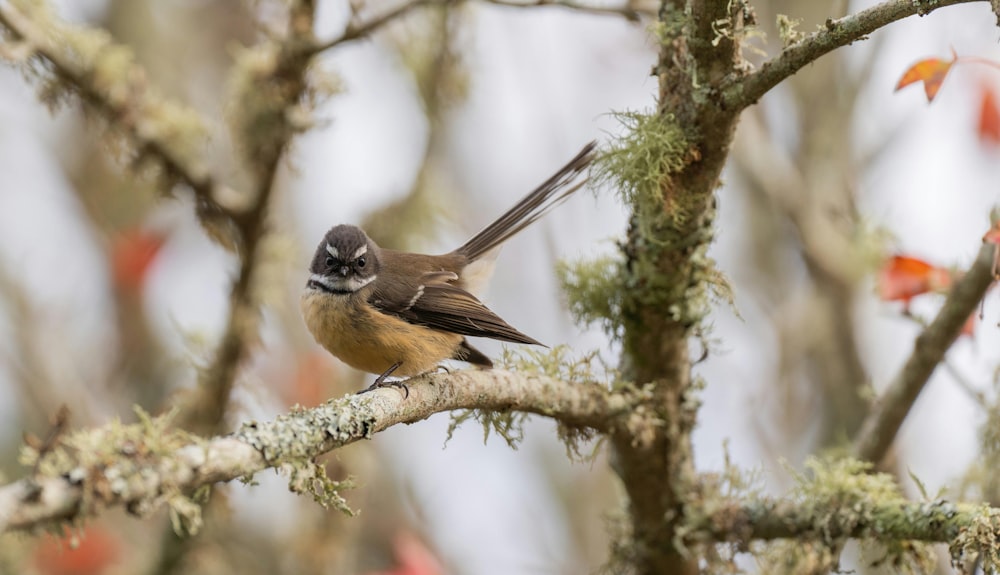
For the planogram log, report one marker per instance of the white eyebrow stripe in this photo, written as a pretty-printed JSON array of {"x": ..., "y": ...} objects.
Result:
[
  {"x": 360, "y": 252},
  {"x": 332, "y": 251}
]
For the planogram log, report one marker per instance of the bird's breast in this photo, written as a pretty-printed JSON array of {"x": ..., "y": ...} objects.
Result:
[{"x": 368, "y": 340}]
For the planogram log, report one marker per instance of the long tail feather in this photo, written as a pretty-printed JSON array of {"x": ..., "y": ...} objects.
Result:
[{"x": 533, "y": 206}]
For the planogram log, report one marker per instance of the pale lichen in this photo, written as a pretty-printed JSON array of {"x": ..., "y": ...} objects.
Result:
[
  {"x": 117, "y": 461},
  {"x": 303, "y": 434},
  {"x": 787, "y": 30}
]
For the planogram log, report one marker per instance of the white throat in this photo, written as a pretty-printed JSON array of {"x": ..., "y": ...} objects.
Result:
[{"x": 351, "y": 284}]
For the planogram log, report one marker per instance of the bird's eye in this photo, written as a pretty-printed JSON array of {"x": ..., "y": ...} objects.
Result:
[
  {"x": 361, "y": 262},
  {"x": 329, "y": 261}
]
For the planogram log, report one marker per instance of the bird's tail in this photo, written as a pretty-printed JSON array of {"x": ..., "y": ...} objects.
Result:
[{"x": 533, "y": 206}]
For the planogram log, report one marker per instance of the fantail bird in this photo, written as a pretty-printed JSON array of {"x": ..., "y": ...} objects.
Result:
[{"x": 386, "y": 311}]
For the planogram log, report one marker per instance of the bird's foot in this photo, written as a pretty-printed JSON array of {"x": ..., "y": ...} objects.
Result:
[{"x": 380, "y": 382}]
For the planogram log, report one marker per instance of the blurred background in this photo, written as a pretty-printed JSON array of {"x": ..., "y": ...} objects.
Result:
[{"x": 112, "y": 297}]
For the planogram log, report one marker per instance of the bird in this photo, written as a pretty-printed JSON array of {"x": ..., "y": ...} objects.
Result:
[{"x": 392, "y": 312}]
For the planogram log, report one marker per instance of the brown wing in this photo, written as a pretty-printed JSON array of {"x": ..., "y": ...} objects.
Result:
[{"x": 437, "y": 304}]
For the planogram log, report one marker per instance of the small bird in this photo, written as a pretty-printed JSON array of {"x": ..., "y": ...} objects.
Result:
[{"x": 392, "y": 312}]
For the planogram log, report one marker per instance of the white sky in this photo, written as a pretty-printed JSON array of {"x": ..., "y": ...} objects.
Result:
[{"x": 542, "y": 82}]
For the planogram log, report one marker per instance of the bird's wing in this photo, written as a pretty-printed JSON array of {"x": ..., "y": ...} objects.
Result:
[{"x": 438, "y": 304}]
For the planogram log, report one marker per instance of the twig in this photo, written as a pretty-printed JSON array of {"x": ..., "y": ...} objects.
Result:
[
  {"x": 628, "y": 10},
  {"x": 355, "y": 31},
  {"x": 887, "y": 415},
  {"x": 963, "y": 382},
  {"x": 139, "y": 479},
  {"x": 743, "y": 91}
]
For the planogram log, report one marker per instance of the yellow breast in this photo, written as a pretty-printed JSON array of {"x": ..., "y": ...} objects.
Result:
[{"x": 371, "y": 341}]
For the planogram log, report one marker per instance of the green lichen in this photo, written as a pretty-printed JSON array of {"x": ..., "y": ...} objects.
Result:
[
  {"x": 640, "y": 162},
  {"x": 508, "y": 424},
  {"x": 838, "y": 492},
  {"x": 148, "y": 439},
  {"x": 117, "y": 460},
  {"x": 557, "y": 363},
  {"x": 667, "y": 273},
  {"x": 593, "y": 289}
]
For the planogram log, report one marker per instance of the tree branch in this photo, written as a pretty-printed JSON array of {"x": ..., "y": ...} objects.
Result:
[
  {"x": 883, "y": 422},
  {"x": 105, "y": 77},
  {"x": 743, "y": 91},
  {"x": 266, "y": 126},
  {"x": 769, "y": 519},
  {"x": 137, "y": 472},
  {"x": 355, "y": 31}
]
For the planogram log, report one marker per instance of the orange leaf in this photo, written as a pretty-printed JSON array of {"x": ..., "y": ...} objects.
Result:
[
  {"x": 902, "y": 278},
  {"x": 989, "y": 117},
  {"x": 132, "y": 252},
  {"x": 930, "y": 71},
  {"x": 96, "y": 552}
]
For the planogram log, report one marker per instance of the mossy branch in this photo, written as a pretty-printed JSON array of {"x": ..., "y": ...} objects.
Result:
[
  {"x": 744, "y": 90},
  {"x": 834, "y": 500},
  {"x": 880, "y": 427},
  {"x": 146, "y": 465},
  {"x": 103, "y": 73},
  {"x": 968, "y": 529}
]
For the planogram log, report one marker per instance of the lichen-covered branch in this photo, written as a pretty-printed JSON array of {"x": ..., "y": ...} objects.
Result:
[
  {"x": 744, "y": 90},
  {"x": 668, "y": 167},
  {"x": 768, "y": 519},
  {"x": 146, "y": 465},
  {"x": 969, "y": 530},
  {"x": 270, "y": 85},
  {"x": 833, "y": 500},
  {"x": 104, "y": 75},
  {"x": 880, "y": 427}
]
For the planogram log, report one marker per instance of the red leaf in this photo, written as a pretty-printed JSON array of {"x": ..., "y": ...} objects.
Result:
[
  {"x": 931, "y": 72},
  {"x": 969, "y": 328},
  {"x": 989, "y": 117},
  {"x": 993, "y": 235},
  {"x": 97, "y": 550},
  {"x": 132, "y": 252},
  {"x": 902, "y": 278},
  {"x": 413, "y": 558},
  {"x": 310, "y": 385}
]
